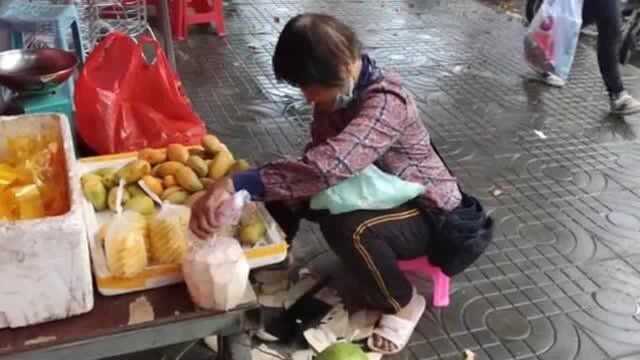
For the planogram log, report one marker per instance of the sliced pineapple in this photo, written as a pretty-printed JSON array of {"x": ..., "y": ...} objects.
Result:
[{"x": 126, "y": 244}]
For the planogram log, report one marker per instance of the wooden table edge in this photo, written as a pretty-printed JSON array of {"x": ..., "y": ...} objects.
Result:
[{"x": 137, "y": 337}]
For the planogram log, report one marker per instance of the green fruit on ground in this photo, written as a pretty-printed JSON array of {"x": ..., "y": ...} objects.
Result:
[{"x": 342, "y": 351}]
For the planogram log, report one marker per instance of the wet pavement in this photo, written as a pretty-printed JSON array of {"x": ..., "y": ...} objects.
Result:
[{"x": 560, "y": 176}]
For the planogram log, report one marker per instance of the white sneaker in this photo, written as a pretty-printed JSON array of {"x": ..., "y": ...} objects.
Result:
[
  {"x": 553, "y": 80},
  {"x": 624, "y": 104},
  {"x": 547, "y": 77}
]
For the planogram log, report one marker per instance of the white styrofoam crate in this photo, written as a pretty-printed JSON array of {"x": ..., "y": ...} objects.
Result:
[
  {"x": 157, "y": 275},
  {"x": 44, "y": 263}
]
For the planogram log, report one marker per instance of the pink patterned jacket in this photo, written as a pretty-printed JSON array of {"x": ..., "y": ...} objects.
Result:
[{"x": 381, "y": 127}]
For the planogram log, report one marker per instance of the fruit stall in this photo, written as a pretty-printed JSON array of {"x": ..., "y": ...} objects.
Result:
[{"x": 91, "y": 249}]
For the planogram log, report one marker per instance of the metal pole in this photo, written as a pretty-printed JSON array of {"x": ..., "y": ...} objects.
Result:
[{"x": 166, "y": 32}]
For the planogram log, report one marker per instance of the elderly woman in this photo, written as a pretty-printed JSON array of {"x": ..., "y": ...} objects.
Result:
[{"x": 361, "y": 116}]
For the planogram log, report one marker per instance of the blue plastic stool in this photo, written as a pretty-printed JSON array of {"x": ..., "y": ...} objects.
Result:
[{"x": 20, "y": 16}]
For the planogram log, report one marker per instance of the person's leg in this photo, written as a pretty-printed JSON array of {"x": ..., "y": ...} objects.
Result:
[
  {"x": 608, "y": 19},
  {"x": 288, "y": 215},
  {"x": 588, "y": 12},
  {"x": 369, "y": 243},
  {"x": 609, "y": 25}
]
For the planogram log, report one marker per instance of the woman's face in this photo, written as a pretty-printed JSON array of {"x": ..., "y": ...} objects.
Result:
[{"x": 323, "y": 98}]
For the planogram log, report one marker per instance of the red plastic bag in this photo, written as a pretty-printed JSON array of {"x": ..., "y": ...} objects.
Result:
[{"x": 124, "y": 103}]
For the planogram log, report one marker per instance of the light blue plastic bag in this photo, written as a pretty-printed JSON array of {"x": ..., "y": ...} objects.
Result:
[{"x": 372, "y": 189}]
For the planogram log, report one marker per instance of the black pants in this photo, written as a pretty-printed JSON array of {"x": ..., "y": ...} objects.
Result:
[
  {"x": 369, "y": 243},
  {"x": 607, "y": 17}
]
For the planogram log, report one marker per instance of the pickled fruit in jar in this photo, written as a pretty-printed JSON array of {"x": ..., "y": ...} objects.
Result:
[
  {"x": 8, "y": 210},
  {"x": 21, "y": 148},
  {"x": 7, "y": 175},
  {"x": 55, "y": 189},
  {"x": 29, "y": 201},
  {"x": 25, "y": 176},
  {"x": 34, "y": 177}
]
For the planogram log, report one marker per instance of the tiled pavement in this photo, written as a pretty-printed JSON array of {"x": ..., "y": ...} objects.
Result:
[{"x": 562, "y": 278}]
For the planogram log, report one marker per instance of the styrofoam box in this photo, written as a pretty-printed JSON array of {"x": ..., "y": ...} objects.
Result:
[
  {"x": 157, "y": 275},
  {"x": 44, "y": 263}
]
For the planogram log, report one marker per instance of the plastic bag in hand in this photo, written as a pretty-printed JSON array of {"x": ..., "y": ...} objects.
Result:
[
  {"x": 228, "y": 214},
  {"x": 216, "y": 272},
  {"x": 552, "y": 37}
]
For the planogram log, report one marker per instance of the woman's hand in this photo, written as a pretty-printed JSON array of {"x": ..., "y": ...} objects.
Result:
[{"x": 203, "y": 212}]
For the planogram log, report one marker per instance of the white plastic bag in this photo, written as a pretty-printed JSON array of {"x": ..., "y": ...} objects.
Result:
[
  {"x": 552, "y": 37},
  {"x": 228, "y": 214},
  {"x": 216, "y": 270}
]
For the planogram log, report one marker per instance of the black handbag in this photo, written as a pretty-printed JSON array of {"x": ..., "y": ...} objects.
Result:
[{"x": 461, "y": 235}]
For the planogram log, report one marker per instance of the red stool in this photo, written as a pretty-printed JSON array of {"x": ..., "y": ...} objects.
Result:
[
  {"x": 191, "y": 12},
  {"x": 421, "y": 266},
  {"x": 185, "y": 13}
]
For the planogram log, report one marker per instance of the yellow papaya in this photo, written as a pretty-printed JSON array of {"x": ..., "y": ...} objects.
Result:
[
  {"x": 188, "y": 179},
  {"x": 220, "y": 165},
  {"x": 134, "y": 171},
  {"x": 166, "y": 169},
  {"x": 177, "y": 152},
  {"x": 153, "y": 156}
]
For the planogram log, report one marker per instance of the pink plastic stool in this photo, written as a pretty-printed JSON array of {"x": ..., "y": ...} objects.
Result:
[{"x": 421, "y": 266}]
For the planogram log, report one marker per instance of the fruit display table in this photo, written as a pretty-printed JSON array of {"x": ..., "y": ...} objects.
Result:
[
  {"x": 121, "y": 325},
  {"x": 49, "y": 306}
]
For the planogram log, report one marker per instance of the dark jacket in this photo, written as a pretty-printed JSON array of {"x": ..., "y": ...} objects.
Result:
[{"x": 461, "y": 235}]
